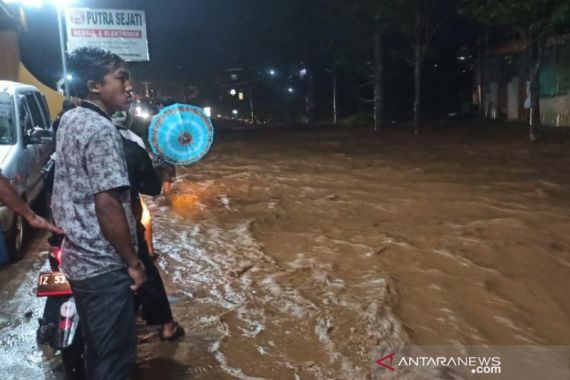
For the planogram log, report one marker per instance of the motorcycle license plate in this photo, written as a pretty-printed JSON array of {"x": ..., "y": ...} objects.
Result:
[{"x": 53, "y": 284}]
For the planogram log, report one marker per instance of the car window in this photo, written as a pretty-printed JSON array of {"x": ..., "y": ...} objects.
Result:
[
  {"x": 44, "y": 107},
  {"x": 26, "y": 122},
  {"x": 37, "y": 118},
  {"x": 7, "y": 130}
]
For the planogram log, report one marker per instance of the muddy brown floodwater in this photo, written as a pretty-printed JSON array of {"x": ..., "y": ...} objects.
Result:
[{"x": 292, "y": 254}]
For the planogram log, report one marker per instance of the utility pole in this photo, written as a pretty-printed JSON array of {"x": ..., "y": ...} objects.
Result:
[{"x": 62, "y": 50}]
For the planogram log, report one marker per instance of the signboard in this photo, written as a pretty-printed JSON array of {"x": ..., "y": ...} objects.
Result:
[{"x": 122, "y": 32}]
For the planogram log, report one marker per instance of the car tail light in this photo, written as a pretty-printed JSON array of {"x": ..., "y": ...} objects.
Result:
[{"x": 65, "y": 323}]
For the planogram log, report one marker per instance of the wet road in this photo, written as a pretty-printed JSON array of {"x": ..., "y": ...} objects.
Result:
[{"x": 291, "y": 255}]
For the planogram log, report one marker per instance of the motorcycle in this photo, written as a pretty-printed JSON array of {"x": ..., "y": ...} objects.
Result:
[{"x": 59, "y": 326}]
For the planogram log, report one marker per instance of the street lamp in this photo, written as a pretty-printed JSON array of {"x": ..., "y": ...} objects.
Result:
[
  {"x": 290, "y": 90},
  {"x": 272, "y": 72},
  {"x": 60, "y": 6}
]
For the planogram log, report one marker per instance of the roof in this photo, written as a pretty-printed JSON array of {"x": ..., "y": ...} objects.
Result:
[
  {"x": 516, "y": 46},
  {"x": 9, "y": 86}
]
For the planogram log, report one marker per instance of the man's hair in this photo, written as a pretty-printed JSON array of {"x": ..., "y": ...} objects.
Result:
[
  {"x": 86, "y": 64},
  {"x": 67, "y": 105}
]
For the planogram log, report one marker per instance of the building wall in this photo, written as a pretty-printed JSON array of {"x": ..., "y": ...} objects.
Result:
[
  {"x": 555, "y": 110},
  {"x": 513, "y": 99},
  {"x": 10, "y": 55},
  {"x": 555, "y": 86},
  {"x": 11, "y": 68},
  {"x": 506, "y": 85}
]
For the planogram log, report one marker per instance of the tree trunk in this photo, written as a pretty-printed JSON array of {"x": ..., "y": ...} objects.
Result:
[
  {"x": 378, "y": 82},
  {"x": 310, "y": 99},
  {"x": 251, "y": 109},
  {"x": 335, "y": 89},
  {"x": 481, "y": 87},
  {"x": 417, "y": 85},
  {"x": 536, "y": 51}
]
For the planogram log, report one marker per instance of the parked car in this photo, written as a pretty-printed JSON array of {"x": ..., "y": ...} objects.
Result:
[{"x": 26, "y": 143}]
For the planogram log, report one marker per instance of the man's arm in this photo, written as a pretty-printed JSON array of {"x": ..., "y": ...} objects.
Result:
[
  {"x": 115, "y": 228},
  {"x": 12, "y": 200}
]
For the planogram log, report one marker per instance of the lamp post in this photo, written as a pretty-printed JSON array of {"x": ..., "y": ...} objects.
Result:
[{"x": 62, "y": 47}]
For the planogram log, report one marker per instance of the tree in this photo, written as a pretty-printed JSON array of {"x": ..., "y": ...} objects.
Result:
[
  {"x": 533, "y": 21},
  {"x": 344, "y": 38},
  {"x": 378, "y": 79},
  {"x": 419, "y": 21},
  {"x": 365, "y": 22}
]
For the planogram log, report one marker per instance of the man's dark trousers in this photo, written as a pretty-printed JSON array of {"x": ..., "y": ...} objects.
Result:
[
  {"x": 152, "y": 295},
  {"x": 106, "y": 308}
]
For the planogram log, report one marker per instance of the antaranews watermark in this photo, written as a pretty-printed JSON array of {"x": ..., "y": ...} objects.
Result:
[{"x": 472, "y": 362}]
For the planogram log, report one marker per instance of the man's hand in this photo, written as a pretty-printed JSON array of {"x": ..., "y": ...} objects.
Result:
[
  {"x": 36, "y": 221},
  {"x": 115, "y": 228},
  {"x": 138, "y": 276},
  {"x": 10, "y": 198}
]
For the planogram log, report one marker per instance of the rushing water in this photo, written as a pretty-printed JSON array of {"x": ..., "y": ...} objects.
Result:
[{"x": 292, "y": 255}]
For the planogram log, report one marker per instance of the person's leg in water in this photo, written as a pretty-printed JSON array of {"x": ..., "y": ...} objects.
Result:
[
  {"x": 167, "y": 188},
  {"x": 146, "y": 221},
  {"x": 168, "y": 177},
  {"x": 154, "y": 301}
]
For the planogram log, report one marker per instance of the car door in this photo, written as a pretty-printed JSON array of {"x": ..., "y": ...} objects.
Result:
[{"x": 30, "y": 167}]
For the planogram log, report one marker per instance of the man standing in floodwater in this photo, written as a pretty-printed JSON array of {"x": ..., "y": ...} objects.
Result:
[{"x": 91, "y": 203}]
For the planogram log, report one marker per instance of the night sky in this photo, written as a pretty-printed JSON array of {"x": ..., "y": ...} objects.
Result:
[
  {"x": 186, "y": 37},
  {"x": 191, "y": 42}
]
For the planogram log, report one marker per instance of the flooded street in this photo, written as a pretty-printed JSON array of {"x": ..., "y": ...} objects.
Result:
[{"x": 292, "y": 254}]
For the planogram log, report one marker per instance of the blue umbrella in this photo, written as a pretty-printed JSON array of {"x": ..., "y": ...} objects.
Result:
[{"x": 181, "y": 134}]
